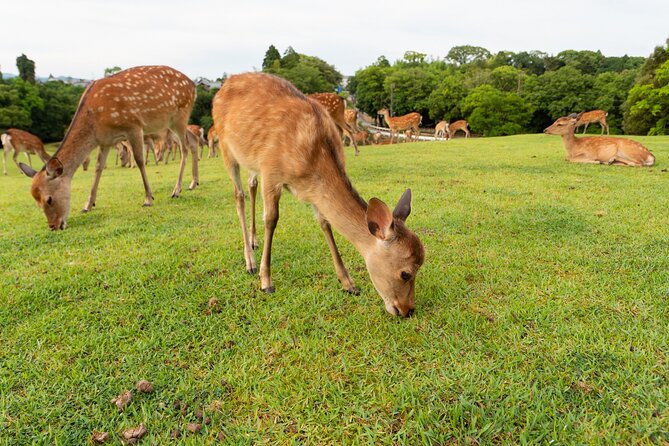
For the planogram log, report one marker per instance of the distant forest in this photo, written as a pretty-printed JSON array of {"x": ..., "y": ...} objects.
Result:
[{"x": 499, "y": 94}]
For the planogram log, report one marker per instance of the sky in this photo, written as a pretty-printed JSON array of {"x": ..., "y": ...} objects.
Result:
[{"x": 80, "y": 38}]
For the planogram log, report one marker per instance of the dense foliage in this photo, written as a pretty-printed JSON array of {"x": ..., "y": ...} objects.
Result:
[
  {"x": 309, "y": 73},
  {"x": 507, "y": 92}
]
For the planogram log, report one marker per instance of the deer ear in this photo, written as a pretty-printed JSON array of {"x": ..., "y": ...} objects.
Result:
[
  {"x": 29, "y": 171},
  {"x": 379, "y": 219},
  {"x": 54, "y": 168},
  {"x": 403, "y": 208}
]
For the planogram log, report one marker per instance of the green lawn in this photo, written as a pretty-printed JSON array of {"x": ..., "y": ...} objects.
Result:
[{"x": 542, "y": 309}]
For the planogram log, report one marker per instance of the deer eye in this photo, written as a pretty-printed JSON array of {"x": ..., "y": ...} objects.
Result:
[
  {"x": 405, "y": 276},
  {"x": 49, "y": 200}
]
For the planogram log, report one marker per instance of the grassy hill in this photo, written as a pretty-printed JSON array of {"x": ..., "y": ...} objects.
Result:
[{"x": 541, "y": 313}]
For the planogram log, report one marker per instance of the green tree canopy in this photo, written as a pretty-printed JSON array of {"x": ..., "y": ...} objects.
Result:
[
  {"x": 271, "y": 55},
  {"x": 26, "y": 68},
  {"x": 466, "y": 54},
  {"x": 496, "y": 113}
]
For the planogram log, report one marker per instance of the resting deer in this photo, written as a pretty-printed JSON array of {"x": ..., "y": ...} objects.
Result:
[
  {"x": 441, "y": 129},
  {"x": 127, "y": 105},
  {"x": 22, "y": 141},
  {"x": 599, "y": 149},
  {"x": 409, "y": 121},
  {"x": 335, "y": 106},
  {"x": 458, "y": 125},
  {"x": 587, "y": 118},
  {"x": 269, "y": 127},
  {"x": 212, "y": 141}
]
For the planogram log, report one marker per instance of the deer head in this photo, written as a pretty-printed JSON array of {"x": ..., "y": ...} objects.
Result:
[
  {"x": 563, "y": 126},
  {"x": 51, "y": 191},
  {"x": 394, "y": 260}
]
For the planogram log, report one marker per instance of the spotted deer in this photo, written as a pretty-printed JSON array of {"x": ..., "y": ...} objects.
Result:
[
  {"x": 336, "y": 107},
  {"x": 410, "y": 121},
  {"x": 599, "y": 149},
  {"x": 587, "y": 118},
  {"x": 441, "y": 129},
  {"x": 21, "y": 141},
  {"x": 458, "y": 125},
  {"x": 267, "y": 126},
  {"x": 127, "y": 105}
]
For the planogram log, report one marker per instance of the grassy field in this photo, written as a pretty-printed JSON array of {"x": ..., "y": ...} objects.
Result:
[{"x": 542, "y": 308}]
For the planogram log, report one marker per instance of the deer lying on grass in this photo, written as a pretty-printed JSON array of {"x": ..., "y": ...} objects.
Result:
[
  {"x": 409, "y": 121},
  {"x": 269, "y": 127},
  {"x": 458, "y": 125},
  {"x": 335, "y": 106},
  {"x": 22, "y": 141},
  {"x": 441, "y": 129},
  {"x": 127, "y": 105},
  {"x": 587, "y": 118},
  {"x": 599, "y": 149}
]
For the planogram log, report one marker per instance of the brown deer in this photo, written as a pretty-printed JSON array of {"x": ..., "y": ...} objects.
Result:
[
  {"x": 361, "y": 137},
  {"x": 127, "y": 105},
  {"x": 441, "y": 129},
  {"x": 336, "y": 106},
  {"x": 409, "y": 121},
  {"x": 458, "y": 125},
  {"x": 198, "y": 132},
  {"x": 587, "y": 118},
  {"x": 212, "y": 141},
  {"x": 269, "y": 127},
  {"x": 22, "y": 141},
  {"x": 599, "y": 149}
]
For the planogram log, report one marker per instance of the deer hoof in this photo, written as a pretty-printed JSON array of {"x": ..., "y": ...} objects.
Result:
[
  {"x": 252, "y": 271},
  {"x": 354, "y": 290},
  {"x": 268, "y": 290}
]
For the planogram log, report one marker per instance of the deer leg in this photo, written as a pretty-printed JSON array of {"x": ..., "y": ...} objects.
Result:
[
  {"x": 136, "y": 140},
  {"x": 340, "y": 269},
  {"x": 253, "y": 189},
  {"x": 30, "y": 161},
  {"x": 99, "y": 167},
  {"x": 270, "y": 194},
  {"x": 4, "y": 158},
  {"x": 194, "y": 166},
  {"x": 181, "y": 134},
  {"x": 586, "y": 127},
  {"x": 233, "y": 171}
]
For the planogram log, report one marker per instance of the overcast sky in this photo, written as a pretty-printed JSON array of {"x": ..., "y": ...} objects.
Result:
[{"x": 81, "y": 38}]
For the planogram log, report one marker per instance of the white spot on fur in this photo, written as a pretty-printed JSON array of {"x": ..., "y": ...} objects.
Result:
[{"x": 114, "y": 115}]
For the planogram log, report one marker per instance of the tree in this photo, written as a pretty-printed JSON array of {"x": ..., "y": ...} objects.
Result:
[
  {"x": 290, "y": 58},
  {"x": 409, "y": 90},
  {"x": 201, "y": 113},
  {"x": 271, "y": 56},
  {"x": 26, "y": 68},
  {"x": 466, "y": 54},
  {"x": 369, "y": 92},
  {"x": 587, "y": 62},
  {"x": 60, "y": 100},
  {"x": 18, "y": 99},
  {"x": 445, "y": 100},
  {"x": 648, "y": 105},
  {"x": 506, "y": 78},
  {"x": 495, "y": 113},
  {"x": 112, "y": 70}
]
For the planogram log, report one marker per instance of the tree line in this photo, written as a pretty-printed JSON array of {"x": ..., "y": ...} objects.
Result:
[{"x": 499, "y": 94}]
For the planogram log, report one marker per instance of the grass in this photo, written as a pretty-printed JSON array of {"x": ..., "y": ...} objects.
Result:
[{"x": 542, "y": 312}]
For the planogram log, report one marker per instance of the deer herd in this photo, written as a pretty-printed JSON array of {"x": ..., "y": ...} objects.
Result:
[{"x": 287, "y": 140}]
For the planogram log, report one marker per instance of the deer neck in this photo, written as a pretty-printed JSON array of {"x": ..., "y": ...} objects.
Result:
[
  {"x": 569, "y": 141},
  {"x": 346, "y": 211},
  {"x": 77, "y": 144}
]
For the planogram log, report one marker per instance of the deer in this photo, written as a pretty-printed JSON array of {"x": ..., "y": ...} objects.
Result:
[
  {"x": 198, "y": 132},
  {"x": 599, "y": 149},
  {"x": 593, "y": 116},
  {"x": 361, "y": 137},
  {"x": 21, "y": 141},
  {"x": 458, "y": 125},
  {"x": 441, "y": 129},
  {"x": 127, "y": 105},
  {"x": 336, "y": 108},
  {"x": 397, "y": 124},
  {"x": 212, "y": 141},
  {"x": 267, "y": 126}
]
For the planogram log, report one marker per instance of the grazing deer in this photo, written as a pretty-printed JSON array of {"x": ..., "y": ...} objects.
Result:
[
  {"x": 599, "y": 149},
  {"x": 458, "y": 125},
  {"x": 409, "y": 121},
  {"x": 198, "y": 132},
  {"x": 269, "y": 127},
  {"x": 441, "y": 130},
  {"x": 408, "y": 135},
  {"x": 127, "y": 105},
  {"x": 360, "y": 137},
  {"x": 587, "y": 118},
  {"x": 22, "y": 141},
  {"x": 351, "y": 118},
  {"x": 212, "y": 141},
  {"x": 335, "y": 106}
]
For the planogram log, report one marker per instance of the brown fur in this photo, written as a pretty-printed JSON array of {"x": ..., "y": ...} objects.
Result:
[
  {"x": 599, "y": 149},
  {"x": 267, "y": 126},
  {"x": 336, "y": 107},
  {"x": 441, "y": 129},
  {"x": 397, "y": 124},
  {"x": 127, "y": 105},
  {"x": 212, "y": 141},
  {"x": 22, "y": 141},
  {"x": 458, "y": 125},
  {"x": 587, "y": 118}
]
